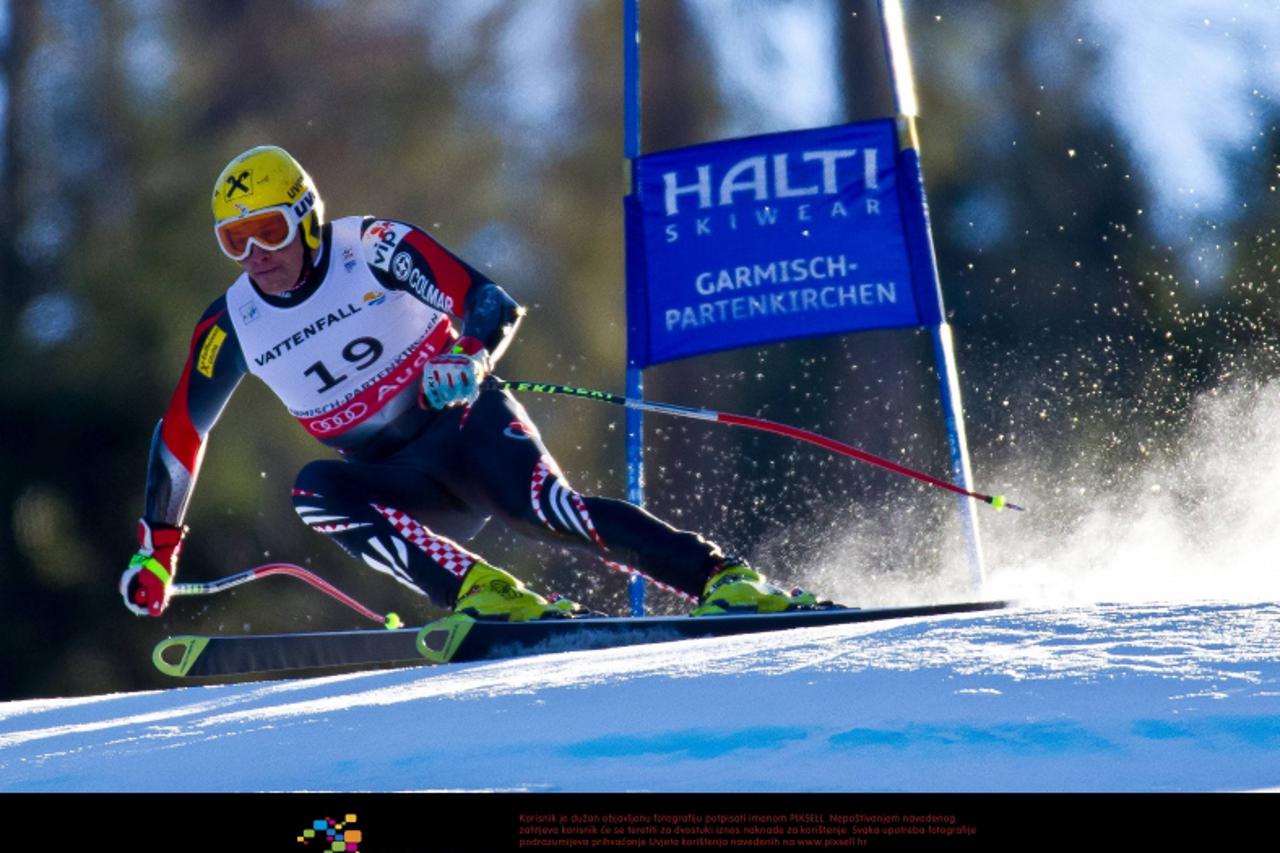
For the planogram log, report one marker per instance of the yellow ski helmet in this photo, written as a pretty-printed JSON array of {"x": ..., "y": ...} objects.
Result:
[{"x": 265, "y": 197}]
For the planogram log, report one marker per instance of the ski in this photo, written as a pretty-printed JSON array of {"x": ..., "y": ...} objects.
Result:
[
  {"x": 191, "y": 655},
  {"x": 458, "y": 639}
]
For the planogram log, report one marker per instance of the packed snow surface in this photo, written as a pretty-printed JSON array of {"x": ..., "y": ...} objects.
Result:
[{"x": 1100, "y": 697}]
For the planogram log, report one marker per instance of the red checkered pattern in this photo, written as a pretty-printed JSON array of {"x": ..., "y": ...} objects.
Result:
[
  {"x": 545, "y": 469},
  {"x": 449, "y": 556},
  {"x": 580, "y": 505}
]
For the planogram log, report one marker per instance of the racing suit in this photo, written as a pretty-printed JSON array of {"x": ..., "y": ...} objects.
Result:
[{"x": 344, "y": 352}]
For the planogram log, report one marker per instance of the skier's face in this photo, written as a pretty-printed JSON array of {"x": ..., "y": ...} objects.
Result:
[{"x": 278, "y": 271}]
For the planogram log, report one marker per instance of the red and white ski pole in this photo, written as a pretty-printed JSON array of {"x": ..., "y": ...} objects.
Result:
[
  {"x": 390, "y": 620},
  {"x": 997, "y": 501}
]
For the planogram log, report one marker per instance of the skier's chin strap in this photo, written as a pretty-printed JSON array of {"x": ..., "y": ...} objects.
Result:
[{"x": 309, "y": 263}]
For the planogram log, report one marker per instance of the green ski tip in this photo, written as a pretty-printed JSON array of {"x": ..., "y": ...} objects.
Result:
[
  {"x": 438, "y": 641},
  {"x": 191, "y": 648}
]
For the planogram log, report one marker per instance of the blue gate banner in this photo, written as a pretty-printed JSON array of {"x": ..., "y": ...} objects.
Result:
[{"x": 767, "y": 238}]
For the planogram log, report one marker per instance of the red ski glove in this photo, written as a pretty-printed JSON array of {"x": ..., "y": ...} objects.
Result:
[{"x": 145, "y": 584}]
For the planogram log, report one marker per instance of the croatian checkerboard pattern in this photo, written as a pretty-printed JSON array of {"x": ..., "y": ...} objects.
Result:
[{"x": 449, "y": 556}]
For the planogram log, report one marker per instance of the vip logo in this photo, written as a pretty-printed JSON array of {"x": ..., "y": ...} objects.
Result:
[
  {"x": 383, "y": 231},
  {"x": 380, "y": 241},
  {"x": 239, "y": 185},
  {"x": 401, "y": 266}
]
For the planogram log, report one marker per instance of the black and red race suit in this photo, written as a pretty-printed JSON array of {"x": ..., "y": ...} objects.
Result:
[{"x": 344, "y": 352}]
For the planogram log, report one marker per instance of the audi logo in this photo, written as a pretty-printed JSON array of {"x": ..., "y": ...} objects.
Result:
[{"x": 338, "y": 420}]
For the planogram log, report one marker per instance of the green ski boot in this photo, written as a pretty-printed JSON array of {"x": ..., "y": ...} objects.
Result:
[
  {"x": 737, "y": 588},
  {"x": 492, "y": 594}
]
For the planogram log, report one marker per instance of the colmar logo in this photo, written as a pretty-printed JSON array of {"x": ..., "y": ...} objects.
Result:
[
  {"x": 401, "y": 266},
  {"x": 421, "y": 284}
]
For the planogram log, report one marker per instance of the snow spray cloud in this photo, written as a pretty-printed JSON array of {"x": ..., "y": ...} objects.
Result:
[
  {"x": 1200, "y": 519},
  {"x": 1195, "y": 519}
]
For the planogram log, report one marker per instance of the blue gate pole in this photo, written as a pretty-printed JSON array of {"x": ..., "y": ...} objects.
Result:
[
  {"x": 895, "y": 38},
  {"x": 635, "y": 375}
]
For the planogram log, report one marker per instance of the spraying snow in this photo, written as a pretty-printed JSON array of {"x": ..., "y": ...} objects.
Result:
[{"x": 1197, "y": 521}]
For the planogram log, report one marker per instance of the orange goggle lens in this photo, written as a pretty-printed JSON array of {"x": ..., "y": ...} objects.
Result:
[{"x": 271, "y": 229}]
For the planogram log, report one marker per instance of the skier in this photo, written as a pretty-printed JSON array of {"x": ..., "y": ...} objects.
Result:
[{"x": 351, "y": 324}]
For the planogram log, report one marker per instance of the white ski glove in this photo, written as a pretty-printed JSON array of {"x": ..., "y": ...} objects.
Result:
[{"x": 453, "y": 378}]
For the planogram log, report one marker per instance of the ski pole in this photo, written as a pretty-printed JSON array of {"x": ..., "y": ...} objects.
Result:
[
  {"x": 390, "y": 621},
  {"x": 997, "y": 501}
]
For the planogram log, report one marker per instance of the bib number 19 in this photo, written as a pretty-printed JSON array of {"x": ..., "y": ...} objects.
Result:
[{"x": 362, "y": 352}]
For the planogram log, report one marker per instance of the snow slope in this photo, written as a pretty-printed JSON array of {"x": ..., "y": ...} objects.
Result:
[{"x": 1123, "y": 697}]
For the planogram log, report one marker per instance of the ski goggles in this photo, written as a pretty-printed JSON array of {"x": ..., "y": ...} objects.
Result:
[{"x": 271, "y": 228}]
